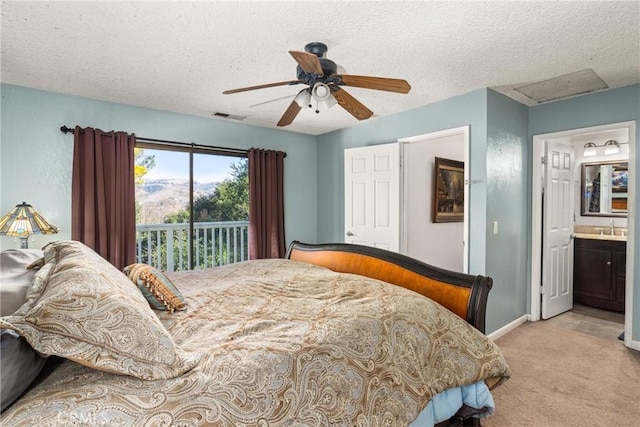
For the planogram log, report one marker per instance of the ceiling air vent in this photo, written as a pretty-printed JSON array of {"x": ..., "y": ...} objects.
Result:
[{"x": 228, "y": 116}]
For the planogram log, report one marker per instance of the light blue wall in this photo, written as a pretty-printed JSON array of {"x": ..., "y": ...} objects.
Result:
[
  {"x": 469, "y": 109},
  {"x": 36, "y": 158},
  {"x": 498, "y": 171},
  {"x": 612, "y": 106},
  {"x": 35, "y": 166},
  {"x": 508, "y": 205}
]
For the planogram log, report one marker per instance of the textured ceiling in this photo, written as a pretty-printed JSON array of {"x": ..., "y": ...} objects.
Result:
[{"x": 180, "y": 56}]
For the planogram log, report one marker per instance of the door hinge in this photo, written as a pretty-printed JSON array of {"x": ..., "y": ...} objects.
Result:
[
  {"x": 541, "y": 290},
  {"x": 543, "y": 160}
]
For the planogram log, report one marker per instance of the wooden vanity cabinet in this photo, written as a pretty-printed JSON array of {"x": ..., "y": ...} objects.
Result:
[
  {"x": 620, "y": 279},
  {"x": 599, "y": 273}
]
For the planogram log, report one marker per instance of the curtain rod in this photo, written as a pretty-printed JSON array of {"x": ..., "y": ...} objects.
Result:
[{"x": 222, "y": 150}]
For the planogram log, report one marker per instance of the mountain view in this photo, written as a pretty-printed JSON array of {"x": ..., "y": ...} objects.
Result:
[{"x": 158, "y": 198}]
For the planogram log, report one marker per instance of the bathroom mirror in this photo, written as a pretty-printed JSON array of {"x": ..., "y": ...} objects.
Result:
[{"x": 604, "y": 189}]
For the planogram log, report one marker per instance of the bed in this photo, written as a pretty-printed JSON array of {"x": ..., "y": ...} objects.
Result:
[{"x": 334, "y": 335}]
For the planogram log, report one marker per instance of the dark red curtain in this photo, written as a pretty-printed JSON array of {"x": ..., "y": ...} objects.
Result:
[
  {"x": 266, "y": 204},
  {"x": 103, "y": 213}
]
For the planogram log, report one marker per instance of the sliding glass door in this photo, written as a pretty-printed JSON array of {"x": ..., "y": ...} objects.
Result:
[{"x": 191, "y": 208}]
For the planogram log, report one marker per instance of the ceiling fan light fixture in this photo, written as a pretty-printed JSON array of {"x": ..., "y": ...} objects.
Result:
[
  {"x": 327, "y": 103},
  {"x": 611, "y": 147},
  {"x": 589, "y": 149},
  {"x": 321, "y": 92},
  {"x": 303, "y": 99}
]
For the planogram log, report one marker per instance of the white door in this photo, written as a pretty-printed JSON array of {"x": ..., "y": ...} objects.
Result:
[
  {"x": 372, "y": 196},
  {"x": 558, "y": 211}
]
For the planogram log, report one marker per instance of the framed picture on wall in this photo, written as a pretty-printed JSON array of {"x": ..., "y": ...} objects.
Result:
[
  {"x": 620, "y": 179},
  {"x": 448, "y": 191}
]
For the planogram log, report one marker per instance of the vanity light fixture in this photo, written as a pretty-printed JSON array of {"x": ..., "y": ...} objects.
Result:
[
  {"x": 589, "y": 149},
  {"x": 610, "y": 147}
]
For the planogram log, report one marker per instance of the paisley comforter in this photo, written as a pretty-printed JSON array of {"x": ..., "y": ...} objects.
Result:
[{"x": 280, "y": 342}]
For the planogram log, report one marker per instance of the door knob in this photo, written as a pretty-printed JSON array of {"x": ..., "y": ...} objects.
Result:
[{"x": 350, "y": 234}]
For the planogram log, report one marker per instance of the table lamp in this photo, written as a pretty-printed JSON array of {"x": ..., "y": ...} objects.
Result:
[{"x": 23, "y": 221}]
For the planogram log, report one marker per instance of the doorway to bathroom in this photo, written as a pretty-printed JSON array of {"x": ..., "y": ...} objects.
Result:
[{"x": 541, "y": 287}]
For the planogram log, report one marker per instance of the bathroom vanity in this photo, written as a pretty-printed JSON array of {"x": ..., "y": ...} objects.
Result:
[{"x": 599, "y": 271}]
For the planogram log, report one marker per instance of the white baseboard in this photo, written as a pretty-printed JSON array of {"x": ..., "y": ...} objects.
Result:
[
  {"x": 635, "y": 345},
  {"x": 508, "y": 327}
]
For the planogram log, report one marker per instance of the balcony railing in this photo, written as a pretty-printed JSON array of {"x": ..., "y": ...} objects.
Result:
[{"x": 166, "y": 246}]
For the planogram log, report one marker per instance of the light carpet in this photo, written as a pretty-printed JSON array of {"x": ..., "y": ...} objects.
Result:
[{"x": 564, "y": 377}]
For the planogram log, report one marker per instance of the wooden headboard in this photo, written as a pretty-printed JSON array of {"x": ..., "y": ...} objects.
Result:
[{"x": 464, "y": 294}]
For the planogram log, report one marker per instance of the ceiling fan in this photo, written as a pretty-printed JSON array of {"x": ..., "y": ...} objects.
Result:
[{"x": 325, "y": 85}]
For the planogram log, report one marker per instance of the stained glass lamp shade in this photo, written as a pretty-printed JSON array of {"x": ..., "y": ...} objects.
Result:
[{"x": 23, "y": 221}]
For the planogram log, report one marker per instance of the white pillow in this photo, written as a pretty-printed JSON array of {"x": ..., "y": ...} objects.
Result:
[{"x": 15, "y": 279}]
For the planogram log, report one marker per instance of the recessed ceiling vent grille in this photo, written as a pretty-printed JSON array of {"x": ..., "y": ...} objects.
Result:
[
  {"x": 228, "y": 116},
  {"x": 572, "y": 84}
]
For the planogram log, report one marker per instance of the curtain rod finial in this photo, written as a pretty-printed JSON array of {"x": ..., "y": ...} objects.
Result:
[{"x": 65, "y": 129}]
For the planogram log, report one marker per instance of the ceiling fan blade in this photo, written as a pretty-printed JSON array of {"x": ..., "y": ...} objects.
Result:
[
  {"x": 264, "y": 86},
  {"x": 352, "y": 105},
  {"x": 307, "y": 61},
  {"x": 378, "y": 83},
  {"x": 290, "y": 114},
  {"x": 271, "y": 100}
]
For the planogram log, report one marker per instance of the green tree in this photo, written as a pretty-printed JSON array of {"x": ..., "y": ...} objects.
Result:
[
  {"x": 142, "y": 164},
  {"x": 228, "y": 202}
]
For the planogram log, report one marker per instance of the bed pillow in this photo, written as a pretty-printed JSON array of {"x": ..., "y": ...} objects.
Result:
[
  {"x": 16, "y": 277},
  {"x": 20, "y": 366},
  {"x": 161, "y": 293},
  {"x": 82, "y": 308}
]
